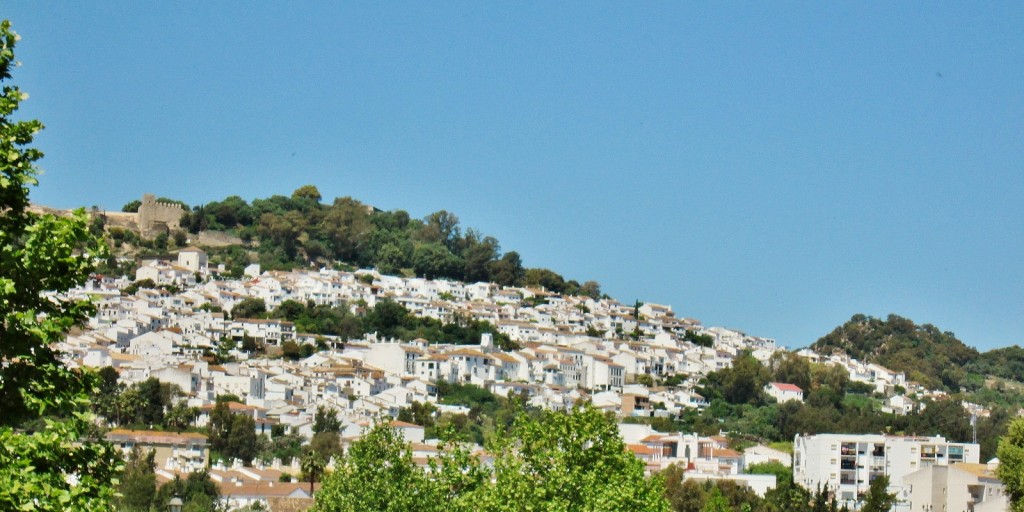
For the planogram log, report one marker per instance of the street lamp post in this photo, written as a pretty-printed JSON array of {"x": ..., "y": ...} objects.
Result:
[{"x": 174, "y": 505}]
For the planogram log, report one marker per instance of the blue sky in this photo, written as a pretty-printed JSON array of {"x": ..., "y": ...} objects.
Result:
[{"x": 771, "y": 168}]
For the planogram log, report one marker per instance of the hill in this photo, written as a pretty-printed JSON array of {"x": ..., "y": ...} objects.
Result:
[
  {"x": 285, "y": 232},
  {"x": 926, "y": 354}
]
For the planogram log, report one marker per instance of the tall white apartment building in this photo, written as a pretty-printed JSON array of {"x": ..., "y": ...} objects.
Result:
[{"x": 848, "y": 463}]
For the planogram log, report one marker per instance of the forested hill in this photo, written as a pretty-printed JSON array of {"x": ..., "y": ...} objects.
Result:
[
  {"x": 283, "y": 232},
  {"x": 925, "y": 353}
]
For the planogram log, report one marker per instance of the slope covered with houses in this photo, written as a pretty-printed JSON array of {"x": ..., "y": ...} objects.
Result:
[{"x": 559, "y": 360}]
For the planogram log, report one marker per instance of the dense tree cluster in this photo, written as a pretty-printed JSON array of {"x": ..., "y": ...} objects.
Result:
[
  {"x": 567, "y": 461},
  {"x": 198, "y": 493},
  {"x": 488, "y": 413},
  {"x": 146, "y": 404},
  {"x": 831, "y": 404},
  {"x": 297, "y": 230},
  {"x": 387, "y": 318},
  {"x": 138, "y": 491},
  {"x": 232, "y": 435}
]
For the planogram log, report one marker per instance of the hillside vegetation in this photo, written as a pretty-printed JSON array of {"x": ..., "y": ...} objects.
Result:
[
  {"x": 284, "y": 232},
  {"x": 925, "y": 353}
]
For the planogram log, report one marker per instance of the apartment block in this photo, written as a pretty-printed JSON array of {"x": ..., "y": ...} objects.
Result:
[{"x": 848, "y": 463}]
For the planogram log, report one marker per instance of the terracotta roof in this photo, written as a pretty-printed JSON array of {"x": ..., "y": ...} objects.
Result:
[
  {"x": 154, "y": 437},
  {"x": 639, "y": 449},
  {"x": 724, "y": 452},
  {"x": 782, "y": 386},
  {"x": 403, "y": 424}
]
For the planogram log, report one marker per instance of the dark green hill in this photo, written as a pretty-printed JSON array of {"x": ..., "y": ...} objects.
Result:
[
  {"x": 285, "y": 232},
  {"x": 926, "y": 354},
  {"x": 1006, "y": 363}
]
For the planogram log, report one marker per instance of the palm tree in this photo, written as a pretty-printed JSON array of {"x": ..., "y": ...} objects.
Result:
[{"x": 312, "y": 465}]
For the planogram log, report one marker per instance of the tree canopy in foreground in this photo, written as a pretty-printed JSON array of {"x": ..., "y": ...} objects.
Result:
[
  {"x": 48, "y": 458},
  {"x": 547, "y": 461}
]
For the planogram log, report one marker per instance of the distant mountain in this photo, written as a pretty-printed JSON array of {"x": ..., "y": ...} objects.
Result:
[{"x": 926, "y": 354}]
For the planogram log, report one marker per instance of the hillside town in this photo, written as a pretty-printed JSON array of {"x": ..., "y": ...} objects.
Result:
[{"x": 570, "y": 349}]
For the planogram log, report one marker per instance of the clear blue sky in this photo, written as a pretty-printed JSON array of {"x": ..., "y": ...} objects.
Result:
[{"x": 772, "y": 168}]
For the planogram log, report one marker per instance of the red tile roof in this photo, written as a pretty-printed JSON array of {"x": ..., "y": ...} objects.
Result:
[{"x": 782, "y": 386}]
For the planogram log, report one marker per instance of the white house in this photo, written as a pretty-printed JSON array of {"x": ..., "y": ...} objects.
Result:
[
  {"x": 783, "y": 392},
  {"x": 194, "y": 259}
]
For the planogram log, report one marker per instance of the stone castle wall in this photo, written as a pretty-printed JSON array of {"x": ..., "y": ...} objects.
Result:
[{"x": 156, "y": 217}]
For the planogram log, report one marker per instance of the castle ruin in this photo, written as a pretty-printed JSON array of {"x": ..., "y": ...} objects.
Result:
[{"x": 157, "y": 217}]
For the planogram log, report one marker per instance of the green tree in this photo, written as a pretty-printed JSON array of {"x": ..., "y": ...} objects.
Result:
[
  {"x": 326, "y": 420},
  {"x": 392, "y": 258},
  {"x": 326, "y": 445},
  {"x": 683, "y": 495},
  {"x": 442, "y": 227},
  {"x": 386, "y": 317},
  {"x": 306, "y": 193},
  {"x": 557, "y": 461},
  {"x": 283, "y": 446},
  {"x": 312, "y": 465},
  {"x": 434, "y": 260},
  {"x": 58, "y": 465},
  {"x": 545, "y": 278},
  {"x": 878, "y": 498},
  {"x": 790, "y": 368},
  {"x": 198, "y": 492},
  {"x": 241, "y": 441},
  {"x": 508, "y": 271},
  {"x": 703, "y": 340},
  {"x": 716, "y": 502},
  {"x": 290, "y": 350},
  {"x": 220, "y": 425},
  {"x": 180, "y": 416},
  {"x": 590, "y": 289},
  {"x": 743, "y": 383},
  {"x": 346, "y": 225},
  {"x": 946, "y": 417},
  {"x": 138, "y": 482},
  {"x": 152, "y": 412},
  {"x": 377, "y": 474},
  {"x": 249, "y": 308},
  {"x": 477, "y": 255},
  {"x": 1011, "y": 463},
  {"x": 568, "y": 461},
  {"x": 131, "y": 206}
]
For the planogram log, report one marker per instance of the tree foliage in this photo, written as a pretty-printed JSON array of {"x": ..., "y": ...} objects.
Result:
[
  {"x": 1011, "y": 464},
  {"x": 55, "y": 464},
  {"x": 198, "y": 492},
  {"x": 377, "y": 474},
  {"x": 926, "y": 354},
  {"x": 878, "y": 497},
  {"x": 569, "y": 461},
  {"x": 138, "y": 482},
  {"x": 295, "y": 230},
  {"x": 552, "y": 461},
  {"x": 232, "y": 435}
]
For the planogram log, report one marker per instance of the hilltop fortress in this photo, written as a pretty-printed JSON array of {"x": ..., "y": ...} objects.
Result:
[
  {"x": 154, "y": 217},
  {"x": 157, "y": 217}
]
